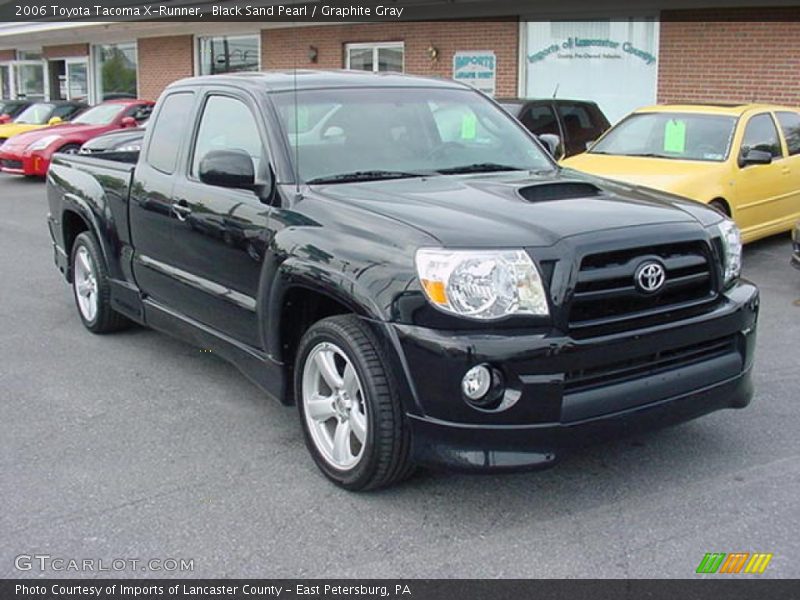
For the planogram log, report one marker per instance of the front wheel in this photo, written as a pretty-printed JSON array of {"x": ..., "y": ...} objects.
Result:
[{"x": 353, "y": 421}]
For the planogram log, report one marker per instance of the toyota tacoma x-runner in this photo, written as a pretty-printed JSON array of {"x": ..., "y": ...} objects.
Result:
[{"x": 402, "y": 260}]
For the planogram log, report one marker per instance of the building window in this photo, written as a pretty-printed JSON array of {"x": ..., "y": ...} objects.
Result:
[
  {"x": 375, "y": 57},
  {"x": 115, "y": 71},
  {"x": 229, "y": 54},
  {"x": 30, "y": 80},
  {"x": 5, "y": 81}
]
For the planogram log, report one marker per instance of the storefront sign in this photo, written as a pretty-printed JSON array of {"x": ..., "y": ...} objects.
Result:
[
  {"x": 478, "y": 69},
  {"x": 611, "y": 62},
  {"x": 582, "y": 48}
]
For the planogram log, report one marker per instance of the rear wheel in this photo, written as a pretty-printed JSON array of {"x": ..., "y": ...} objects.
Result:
[
  {"x": 353, "y": 421},
  {"x": 91, "y": 287}
]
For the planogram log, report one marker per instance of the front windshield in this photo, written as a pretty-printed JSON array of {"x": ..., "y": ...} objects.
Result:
[
  {"x": 102, "y": 114},
  {"x": 339, "y": 134},
  {"x": 685, "y": 136},
  {"x": 36, "y": 114}
]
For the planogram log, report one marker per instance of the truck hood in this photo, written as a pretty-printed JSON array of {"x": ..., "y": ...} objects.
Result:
[{"x": 514, "y": 209}]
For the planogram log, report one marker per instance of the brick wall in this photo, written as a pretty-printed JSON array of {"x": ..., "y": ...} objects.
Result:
[
  {"x": 65, "y": 50},
  {"x": 163, "y": 60},
  {"x": 8, "y": 54},
  {"x": 285, "y": 48},
  {"x": 721, "y": 56}
]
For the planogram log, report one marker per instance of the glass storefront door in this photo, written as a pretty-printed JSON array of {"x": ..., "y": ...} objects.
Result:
[{"x": 77, "y": 79}]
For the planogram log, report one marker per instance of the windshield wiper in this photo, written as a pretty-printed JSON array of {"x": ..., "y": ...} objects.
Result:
[
  {"x": 486, "y": 167},
  {"x": 374, "y": 175},
  {"x": 652, "y": 155}
]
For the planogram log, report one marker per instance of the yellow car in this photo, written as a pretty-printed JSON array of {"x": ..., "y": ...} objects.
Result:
[
  {"x": 41, "y": 114},
  {"x": 744, "y": 159}
]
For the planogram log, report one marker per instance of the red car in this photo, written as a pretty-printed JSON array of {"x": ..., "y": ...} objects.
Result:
[{"x": 30, "y": 153}]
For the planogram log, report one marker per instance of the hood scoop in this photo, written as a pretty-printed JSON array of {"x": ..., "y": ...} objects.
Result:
[{"x": 559, "y": 190}]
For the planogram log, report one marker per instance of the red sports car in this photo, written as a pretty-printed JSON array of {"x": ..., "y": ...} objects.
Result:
[{"x": 30, "y": 153}]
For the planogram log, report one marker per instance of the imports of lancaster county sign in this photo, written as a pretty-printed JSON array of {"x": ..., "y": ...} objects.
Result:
[
  {"x": 582, "y": 48},
  {"x": 478, "y": 69}
]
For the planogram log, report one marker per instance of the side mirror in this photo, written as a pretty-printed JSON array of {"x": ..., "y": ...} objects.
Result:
[
  {"x": 55, "y": 121},
  {"x": 228, "y": 169},
  {"x": 755, "y": 157},
  {"x": 127, "y": 122},
  {"x": 552, "y": 142},
  {"x": 4, "y": 118}
]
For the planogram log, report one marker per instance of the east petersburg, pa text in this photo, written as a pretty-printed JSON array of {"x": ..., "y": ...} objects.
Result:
[{"x": 198, "y": 591}]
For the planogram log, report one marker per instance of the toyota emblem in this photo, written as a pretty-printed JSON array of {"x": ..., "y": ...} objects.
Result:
[{"x": 650, "y": 277}]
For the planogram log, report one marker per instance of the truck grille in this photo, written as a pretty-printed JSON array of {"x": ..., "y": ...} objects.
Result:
[
  {"x": 607, "y": 299},
  {"x": 644, "y": 366}
]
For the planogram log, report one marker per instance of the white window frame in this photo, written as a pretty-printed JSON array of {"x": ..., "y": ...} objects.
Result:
[
  {"x": 198, "y": 40},
  {"x": 12, "y": 76},
  {"x": 45, "y": 72},
  {"x": 68, "y": 60},
  {"x": 375, "y": 46}
]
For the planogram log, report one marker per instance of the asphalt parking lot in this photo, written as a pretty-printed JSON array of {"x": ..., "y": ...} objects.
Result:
[{"x": 136, "y": 445}]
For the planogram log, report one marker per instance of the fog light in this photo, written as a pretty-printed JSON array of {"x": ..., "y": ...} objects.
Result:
[{"x": 477, "y": 382}]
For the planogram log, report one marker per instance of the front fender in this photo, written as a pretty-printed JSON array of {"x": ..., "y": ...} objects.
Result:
[{"x": 295, "y": 272}]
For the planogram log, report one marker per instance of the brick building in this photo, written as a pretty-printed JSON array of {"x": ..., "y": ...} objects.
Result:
[{"x": 618, "y": 55}]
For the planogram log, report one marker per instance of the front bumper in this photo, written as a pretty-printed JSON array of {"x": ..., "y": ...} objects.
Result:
[
  {"x": 562, "y": 392},
  {"x": 31, "y": 164}
]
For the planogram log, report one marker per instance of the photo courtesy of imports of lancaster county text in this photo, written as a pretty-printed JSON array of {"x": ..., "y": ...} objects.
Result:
[{"x": 399, "y": 299}]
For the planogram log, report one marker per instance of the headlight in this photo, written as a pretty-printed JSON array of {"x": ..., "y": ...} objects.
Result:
[
  {"x": 44, "y": 142},
  {"x": 481, "y": 284},
  {"x": 731, "y": 250},
  {"x": 134, "y": 147}
]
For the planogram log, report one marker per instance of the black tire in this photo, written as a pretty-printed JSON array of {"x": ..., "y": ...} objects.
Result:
[
  {"x": 106, "y": 319},
  {"x": 386, "y": 458},
  {"x": 720, "y": 206},
  {"x": 70, "y": 148}
]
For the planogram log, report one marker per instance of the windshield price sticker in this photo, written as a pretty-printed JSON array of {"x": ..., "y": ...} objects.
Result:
[{"x": 675, "y": 136}]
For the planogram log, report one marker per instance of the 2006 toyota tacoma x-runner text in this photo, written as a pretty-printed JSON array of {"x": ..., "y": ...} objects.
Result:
[{"x": 400, "y": 258}]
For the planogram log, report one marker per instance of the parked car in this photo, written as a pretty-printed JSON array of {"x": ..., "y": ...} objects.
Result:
[
  {"x": 125, "y": 140},
  {"x": 10, "y": 109},
  {"x": 425, "y": 296},
  {"x": 576, "y": 123},
  {"x": 30, "y": 153},
  {"x": 742, "y": 159},
  {"x": 39, "y": 115},
  {"x": 796, "y": 245}
]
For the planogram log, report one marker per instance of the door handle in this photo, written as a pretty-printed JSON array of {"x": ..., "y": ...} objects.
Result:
[
  {"x": 786, "y": 170},
  {"x": 181, "y": 209}
]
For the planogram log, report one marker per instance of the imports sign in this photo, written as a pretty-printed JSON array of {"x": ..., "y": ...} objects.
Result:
[{"x": 478, "y": 69}]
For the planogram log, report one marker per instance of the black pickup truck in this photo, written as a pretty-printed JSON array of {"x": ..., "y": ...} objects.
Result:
[{"x": 402, "y": 260}]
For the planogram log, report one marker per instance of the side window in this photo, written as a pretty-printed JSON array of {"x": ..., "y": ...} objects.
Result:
[
  {"x": 168, "y": 131},
  {"x": 227, "y": 124},
  {"x": 790, "y": 124},
  {"x": 65, "y": 111},
  {"x": 540, "y": 119},
  {"x": 761, "y": 134},
  {"x": 140, "y": 113}
]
